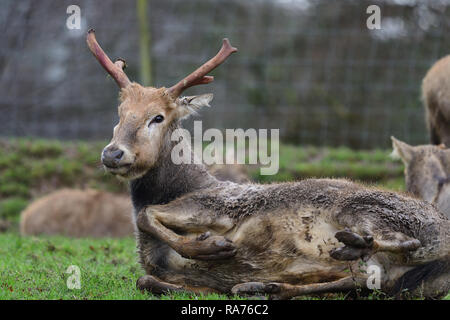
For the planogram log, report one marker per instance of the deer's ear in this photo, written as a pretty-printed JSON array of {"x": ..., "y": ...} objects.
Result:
[
  {"x": 190, "y": 105},
  {"x": 402, "y": 150}
]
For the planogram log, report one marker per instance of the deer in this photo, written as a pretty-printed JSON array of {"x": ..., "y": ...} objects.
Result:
[
  {"x": 314, "y": 236},
  {"x": 436, "y": 99},
  {"x": 231, "y": 170},
  {"x": 427, "y": 170},
  {"x": 79, "y": 213}
]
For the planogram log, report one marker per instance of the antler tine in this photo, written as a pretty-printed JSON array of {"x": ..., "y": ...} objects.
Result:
[
  {"x": 114, "y": 69},
  {"x": 121, "y": 63},
  {"x": 199, "y": 76}
]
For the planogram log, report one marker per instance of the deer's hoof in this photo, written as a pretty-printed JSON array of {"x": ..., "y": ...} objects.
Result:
[
  {"x": 207, "y": 247},
  {"x": 356, "y": 246},
  {"x": 347, "y": 253},
  {"x": 353, "y": 239}
]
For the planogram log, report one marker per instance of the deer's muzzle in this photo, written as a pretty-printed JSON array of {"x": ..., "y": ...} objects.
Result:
[{"x": 111, "y": 157}]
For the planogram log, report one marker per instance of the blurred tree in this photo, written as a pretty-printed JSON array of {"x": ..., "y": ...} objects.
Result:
[{"x": 144, "y": 43}]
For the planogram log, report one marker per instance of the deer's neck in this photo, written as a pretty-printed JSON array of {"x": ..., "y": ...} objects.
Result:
[{"x": 167, "y": 181}]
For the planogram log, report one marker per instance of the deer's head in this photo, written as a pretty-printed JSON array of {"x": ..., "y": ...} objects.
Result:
[
  {"x": 147, "y": 114},
  {"x": 426, "y": 170}
]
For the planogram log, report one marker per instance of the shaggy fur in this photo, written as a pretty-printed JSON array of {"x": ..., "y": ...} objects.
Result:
[
  {"x": 425, "y": 278},
  {"x": 230, "y": 172},
  {"x": 427, "y": 169}
]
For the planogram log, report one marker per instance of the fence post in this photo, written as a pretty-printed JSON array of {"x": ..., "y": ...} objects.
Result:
[{"x": 145, "y": 70}]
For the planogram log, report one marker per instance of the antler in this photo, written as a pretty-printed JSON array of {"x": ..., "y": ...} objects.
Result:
[
  {"x": 114, "y": 69},
  {"x": 199, "y": 76}
]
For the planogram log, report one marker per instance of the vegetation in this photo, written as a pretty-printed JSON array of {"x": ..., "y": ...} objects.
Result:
[
  {"x": 35, "y": 268},
  {"x": 374, "y": 166}
]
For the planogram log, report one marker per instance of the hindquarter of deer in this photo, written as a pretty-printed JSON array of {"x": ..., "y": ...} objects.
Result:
[
  {"x": 291, "y": 245},
  {"x": 278, "y": 241}
]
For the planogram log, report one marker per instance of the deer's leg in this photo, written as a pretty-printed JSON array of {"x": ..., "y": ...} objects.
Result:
[
  {"x": 156, "y": 286},
  {"x": 363, "y": 247},
  {"x": 434, "y": 136},
  {"x": 287, "y": 291},
  {"x": 203, "y": 247}
]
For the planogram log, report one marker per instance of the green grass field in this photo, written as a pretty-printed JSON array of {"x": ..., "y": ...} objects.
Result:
[{"x": 35, "y": 268}]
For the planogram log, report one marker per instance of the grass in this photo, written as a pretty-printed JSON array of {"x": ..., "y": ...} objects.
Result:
[
  {"x": 35, "y": 268},
  {"x": 370, "y": 166}
]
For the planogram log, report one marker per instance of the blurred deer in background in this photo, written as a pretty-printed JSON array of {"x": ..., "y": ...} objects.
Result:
[
  {"x": 436, "y": 97},
  {"x": 79, "y": 213},
  {"x": 199, "y": 234},
  {"x": 427, "y": 172},
  {"x": 230, "y": 170}
]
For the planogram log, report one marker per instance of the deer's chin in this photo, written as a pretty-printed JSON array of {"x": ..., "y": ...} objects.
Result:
[{"x": 126, "y": 173}]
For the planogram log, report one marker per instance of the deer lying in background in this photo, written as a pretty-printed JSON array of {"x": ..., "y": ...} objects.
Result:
[
  {"x": 427, "y": 172},
  {"x": 199, "y": 234},
  {"x": 79, "y": 213},
  {"x": 436, "y": 97},
  {"x": 230, "y": 170}
]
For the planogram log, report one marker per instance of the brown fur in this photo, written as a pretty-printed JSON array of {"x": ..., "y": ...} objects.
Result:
[
  {"x": 79, "y": 213},
  {"x": 427, "y": 172},
  {"x": 436, "y": 97},
  {"x": 230, "y": 172}
]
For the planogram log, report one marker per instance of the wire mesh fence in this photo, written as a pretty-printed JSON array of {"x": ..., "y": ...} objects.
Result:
[{"x": 310, "y": 68}]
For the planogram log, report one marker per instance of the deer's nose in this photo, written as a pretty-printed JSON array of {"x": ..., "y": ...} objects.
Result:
[{"x": 111, "y": 157}]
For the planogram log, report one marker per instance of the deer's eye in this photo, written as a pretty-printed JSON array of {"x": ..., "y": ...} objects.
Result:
[{"x": 158, "y": 119}]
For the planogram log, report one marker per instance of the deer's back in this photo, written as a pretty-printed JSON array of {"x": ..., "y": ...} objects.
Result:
[
  {"x": 436, "y": 89},
  {"x": 340, "y": 203},
  {"x": 284, "y": 232}
]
